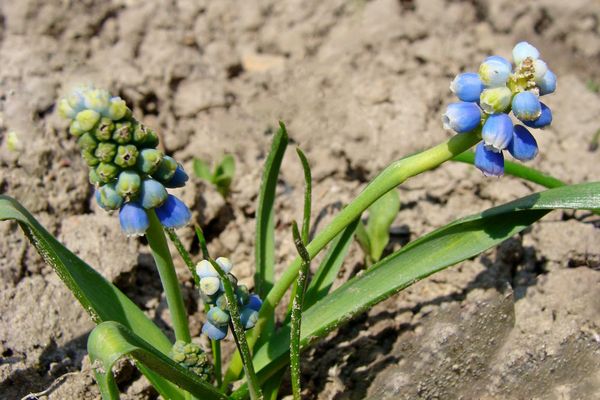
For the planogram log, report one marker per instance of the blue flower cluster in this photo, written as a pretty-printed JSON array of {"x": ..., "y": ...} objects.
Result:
[
  {"x": 213, "y": 293},
  {"x": 489, "y": 96},
  {"x": 129, "y": 173}
]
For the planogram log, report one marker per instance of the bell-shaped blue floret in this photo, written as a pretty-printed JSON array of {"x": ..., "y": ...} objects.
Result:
[
  {"x": 179, "y": 178},
  {"x": 497, "y": 131},
  {"x": 547, "y": 84},
  {"x": 173, "y": 213},
  {"x": 523, "y": 146},
  {"x": 248, "y": 317},
  {"x": 108, "y": 198},
  {"x": 543, "y": 120},
  {"x": 526, "y": 106},
  {"x": 152, "y": 194},
  {"x": 134, "y": 220},
  {"x": 523, "y": 50},
  {"x": 254, "y": 302},
  {"x": 494, "y": 72},
  {"x": 462, "y": 117},
  {"x": 217, "y": 317},
  {"x": 490, "y": 162},
  {"x": 214, "y": 332},
  {"x": 467, "y": 86}
]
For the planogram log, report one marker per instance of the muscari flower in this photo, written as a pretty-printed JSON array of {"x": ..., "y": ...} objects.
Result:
[
  {"x": 128, "y": 171},
  {"x": 487, "y": 99},
  {"x": 213, "y": 293}
]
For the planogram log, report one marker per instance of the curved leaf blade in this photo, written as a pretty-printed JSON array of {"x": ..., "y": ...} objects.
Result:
[
  {"x": 431, "y": 253},
  {"x": 111, "y": 341},
  {"x": 100, "y": 298}
]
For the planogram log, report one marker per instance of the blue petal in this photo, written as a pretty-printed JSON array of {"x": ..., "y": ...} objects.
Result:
[
  {"x": 248, "y": 317},
  {"x": 108, "y": 198},
  {"x": 134, "y": 220},
  {"x": 254, "y": 302},
  {"x": 523, "y": 146},
  {"x": 214, "y": 332},
  {"x": 173, "y": 213},
  {"x": 547, "y": 84},
  {"x": 491, "y": 163},
  {"x": 467, "y": 86},
  {"x": 152, "y": 194},
  {"x": 523, "y": 50},
  {"x": 497, "y": 131},
  {"x": 544, "y": 119},
  {"x": 179, "y": 178},
  {"x": 526, "y": 106},
  {"x": 462, "y": 117}
]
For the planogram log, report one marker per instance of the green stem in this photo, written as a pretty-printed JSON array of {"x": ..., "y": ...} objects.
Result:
[
  {"x": 239, "y": 334},
  {"x": 395, "y": 174},
  {"x": 185, "y": 255},
  {"x": 166, "y": 270},
  {"x": 296, "y": 320}
]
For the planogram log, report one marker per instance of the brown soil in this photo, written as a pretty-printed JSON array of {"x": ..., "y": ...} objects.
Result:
[{"x": 359, "y": 83}]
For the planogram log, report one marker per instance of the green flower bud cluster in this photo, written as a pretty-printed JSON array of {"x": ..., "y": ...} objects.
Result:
[
  {"x": 124, "y": 163},
  {"x": 191, "y": 357}
]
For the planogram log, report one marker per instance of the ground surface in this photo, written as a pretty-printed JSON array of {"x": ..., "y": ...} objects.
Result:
[{"x": 359, "y": 83}]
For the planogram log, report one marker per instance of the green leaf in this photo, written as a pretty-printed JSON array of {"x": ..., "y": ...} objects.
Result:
[
  {"x": 446, "y": 246},
  {"x": 265, "y": 219},
  {"x": 202, "y": 170},
  {"x": 223, "y": 175},
  {"x": 381, "y": 216},
  {"x": 100, "y": 298},
  {"x": 110, "y": 341},
  {"x": 328, "y": 269}
]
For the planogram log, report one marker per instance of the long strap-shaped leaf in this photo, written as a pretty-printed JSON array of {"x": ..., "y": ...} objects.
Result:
[
  {"x": 265, "y": 224},
  {"x": 100, "y": 298},
  {"x": 111, "y": 341},
  {"x": 446, "y": 246}
]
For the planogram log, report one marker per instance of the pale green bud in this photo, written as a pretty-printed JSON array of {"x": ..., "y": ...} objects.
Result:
[
  {"x": 166, "y": 169},
  {"x": 87, "y": 142},
  {"x": 87, "y": 119},
  {"x": 104, "y": 130},
  {"x": 65, "y": 110},
  {"x": 495, "y": 100},
  {"x": 126, "y": 156},
  {"x": 75, "y": 129},
  {"x": 140, "y": 133},
  {"x": 97, "y": 100},
  {"x": 89, "y": 158},
  {"x": 205, "y": 269},
  {"x": 149, "y": 160},
  {"x": 106, "y": 151},
  {"x": 128, "y": 184},
  {"x": 117, "y": 109},
  {"x": 123, "y": 132},
  {"x": 151, "y": 140},
  {"x": 108, "y": 197},
  {"x": 94, "y": 178},
  {"x": 107, "y": 172}
]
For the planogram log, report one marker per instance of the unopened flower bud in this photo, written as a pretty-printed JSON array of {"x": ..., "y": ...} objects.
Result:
[
  {"x": 497, "y": 131},
  {"x": 122, "y": 133},
  {"x": 149, "y": 160},
  {"x": 214, "y": 332},
  {"x": 205, "y": 269},
  {"x": 526, "y": 106},
  {"x": 178, "y": 179},
  {"x": 106, "y": 151},
  {"x": 547, "y": 84},
  {"x": 209, "y": 285},
  {"x": 89, "y": 158},
  {"x": 107, "y": 171},
  {"x": 75, "y": 129},
  {"x": 524, "y": 50},
  {"x": 225, "y": 264},
  {"x": 140, "y": 133},
  {"x": 134, "y": 220},
  {"x": 543, "y": 120},
  {"x": 152, "y": 194},
  {"x": 104, "y": 130},
  {"x": 539, "y": 69},
  {"x": 243, "y": 294},
  {"x": 87, "y": 119},
  {"x": 467, "y": 86},
  {"x": 117, "y": 109},
  {"x": 65, "y": 110},
  {"x": 126, "y": 156},
  {"x": 221, "y": 302},
  {"x": 217, "y": 317},
  {"x": 191, "y": 357},
  {"x": 151, "y": 140},
  {"x": 166, "y": 169},
  {"x": 108, "y": 198},
  {"x": 494, "y": 73},
  {"x": 128, "y": 184},
  {"x": 88, "y": 142},
  {"x": 495, "y": 100},
  {"x": 248, "y": 318},
  {"x": 93, "y": 177},
  {"x": 96, "y": 99}
]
